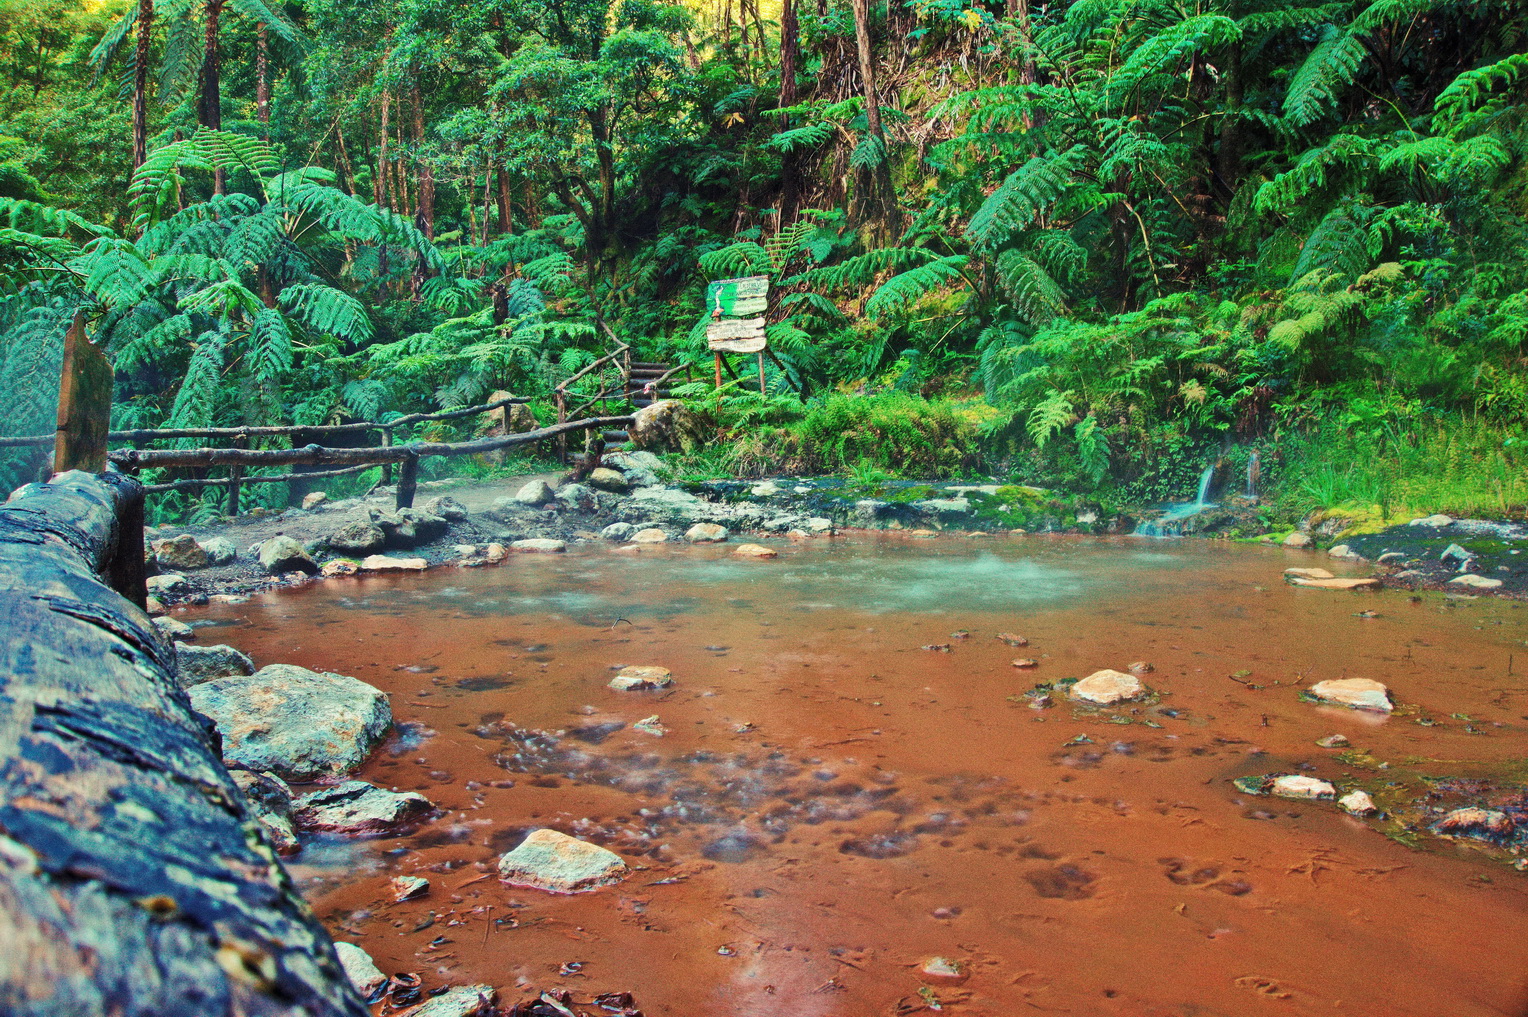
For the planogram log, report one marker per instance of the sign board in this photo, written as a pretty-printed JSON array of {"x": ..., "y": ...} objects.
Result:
[
  {"x": 741, "y": 336},
  {"x": 84, "y": 404},
  {"x": 737, "y": 298}
]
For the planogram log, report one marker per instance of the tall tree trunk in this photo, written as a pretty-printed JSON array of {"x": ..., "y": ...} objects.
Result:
[
  {"x": 379, "y": 192},
  {"x": 263, "y": 80},
  {"x": 424, "y": 212},
  {"x": 877, "y": 181},
  {"x": 211, "y": 112},
  {"x": 141, "y": 83},
  {"x": 1229, "y": 163},
  {"x": 506, "y": 222},
  {"x": 790, "y": 162},
  {"x": 600, "y": 232}
]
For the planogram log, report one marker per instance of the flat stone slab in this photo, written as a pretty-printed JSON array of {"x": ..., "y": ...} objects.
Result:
[
  {"x": 1336, "y": 584},
  {"x": 540, "y": 545},
  {"x": 295, "y": 723},
  {"x": 459, "y": 1001},
  {"x": 1287, "y": 785},
  {"x": 552, "y": 861},
  {"x": 755, "y": 551},
  {"x": 1474, "y": 582},
  {"x": 1107, "y": 687},
  {"x": 651, "y": 535},
  {"x": 383, "y": 563},
  {"x": 641, "y": 677},
  {"x": 358, "y": 809},
  {"x": 362, "y": 971},
  {"x": 1293, "y": 574},
  {"x": 1358, "y": 693}
]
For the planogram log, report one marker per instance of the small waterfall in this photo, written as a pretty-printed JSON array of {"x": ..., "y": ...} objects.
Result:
[
  {"x": 1254, "y": 472},
  {"x": 1171, "y": 523}
]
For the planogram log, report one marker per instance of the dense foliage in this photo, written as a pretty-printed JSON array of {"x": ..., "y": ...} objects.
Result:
[{"x": 1120, "y": 237}]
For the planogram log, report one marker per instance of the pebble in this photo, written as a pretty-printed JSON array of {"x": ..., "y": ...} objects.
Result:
[
  {"x": 1357, "y": 803},
  {"x": 1292, "y": 786},
  {"x": 1335, "y": 741}
]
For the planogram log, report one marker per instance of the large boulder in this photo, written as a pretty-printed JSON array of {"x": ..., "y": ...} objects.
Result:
[
  {"x": 667, "y": 424},
  {"x": 407, "y": 527},
  {"x": 606, "y": 479},
  {"x": 552, "y": 861},
  {"x": 181, "y": 554},
  {"x": 641, "y": 469},
  {"x": 197, "y": 664},
  {"x": 357, "y": 538},
  {"x": 535, "y": 492},
  {"x": 706, "y": 533},
  {"x": 282, "y": 554},
  {"x": 295, "y": 723},
  {"x": 448, "y": 508},
  {"x": 358, "y": 809},
  {"x": 220, "y": 551},
  {"x": 271, "y": 802}
]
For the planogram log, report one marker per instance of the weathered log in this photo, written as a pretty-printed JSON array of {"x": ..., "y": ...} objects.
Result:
[{"x": 134, "y": 880}]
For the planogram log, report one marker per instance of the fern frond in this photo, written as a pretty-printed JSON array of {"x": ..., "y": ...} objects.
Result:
[
  {"x": 913, "y": 285},
  {"x": 1024, "y": 196},
  {"x": 326, "y": 309},
  {"x": 1332, "y": 65}
]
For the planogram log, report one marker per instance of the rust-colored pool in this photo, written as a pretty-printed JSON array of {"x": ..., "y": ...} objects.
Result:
[{"x": 833, "y": 805}]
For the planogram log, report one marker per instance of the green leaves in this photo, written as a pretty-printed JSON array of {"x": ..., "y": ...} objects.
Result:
[
  {"x": 1023, "y": 197},
  {"x": 902, "y": 290}
]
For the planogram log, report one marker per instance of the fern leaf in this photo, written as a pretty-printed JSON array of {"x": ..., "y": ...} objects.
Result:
[
  {"x": 913, "y": 285},
  {"x": 1023, "y": 197}
]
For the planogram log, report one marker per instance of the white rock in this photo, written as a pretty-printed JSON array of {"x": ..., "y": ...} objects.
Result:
[
  {"x": 552, "y": 861},
  {"x": 495, "y": 552},
  {"x": 534, "y": 493},
  {"x": 382, "y": 563},
  {"x": 618, "y": 531},
  {"x": 1357, "y": 802},
  {"x": 170, "y": 582},
  {"x": 1343, "y": 583},
  {"x": 1344, "y": 551},
  {"x": 942, "y": 968},
  {"x": 1107, "y": 687},
  {"x": 1292, "y": 786},
  {"x": 706, "y": 533},
  {"x": 1474, "y": 582},
  {"x": 313, "y": 499},
  {"x": 641, "y": 677},
  {"x": 540, "y": 545},
  {"x": 1359, "y": 693},
  {"x": 1299, "y": 540},
  {"x": 1439, "y": 520},
  {"x": 465, "y": 550},
  {"x": 174, "y": 628},
  {"x": 765, "y": 489},
  {"x": 817, "y": 524},
  {"x": 362, "y": 971}
]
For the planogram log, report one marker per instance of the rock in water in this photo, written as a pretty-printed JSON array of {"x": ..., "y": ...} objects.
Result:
[
  {"x": 1294, "y": 786},
  {"x": 181, "y": 554},
  {"x": 1476, "y": 824},
  {"x": 362, "y": 971},
  {"x": 1299, "y": 540},
  {"x": 282, "y": 554},
  {"x": 174, "y": 629},
  {"x": 667, "y": 424},
  {"x": 295, "y": 723},
  {"x": 540, "y": 545},
  {"x": 1107, "y": 687},
  {"x": 358, "y": 809},
  {"x": 271, "y": 802},
  {"x": 651, "y": 535},
  {"x": 942, "y": 968},
  {"x": 357, "y": 538},
  {"x": 552, "y": 861},
  {"x": 639, "y": 678},
  {"x": 383, "y": 563},
  {"x": 706, "y": 533},
  {"x": 618, "y": 531},
  {"x": 534, "y": 493},
  {"x": 1475, "y": 582},
  {"x": 1357, "y": 803},
  {"x": 195, "y": 664},
  {"x": 1359, "y": 693},
  {"x": 459, "y": 1001},
  {"x": 1335, "y": 584},
  {"x": 1292, "y": 574},
  {"x": 755, "y": 551},
  {"x": 607, "y": 479}
]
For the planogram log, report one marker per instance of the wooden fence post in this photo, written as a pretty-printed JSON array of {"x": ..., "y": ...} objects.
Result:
[
  {"x": 387, "y": 442},
  {"x": 408, "y": 479},
  {"x": 562, "y": 417},
  {"x": 126, "y": 570},
  {"x": 235, "y": 478},
  {"x": 84, "y": 404}
]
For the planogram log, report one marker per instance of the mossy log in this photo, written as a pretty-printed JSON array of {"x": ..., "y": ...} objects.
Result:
[{"x": 133, "y": 879}]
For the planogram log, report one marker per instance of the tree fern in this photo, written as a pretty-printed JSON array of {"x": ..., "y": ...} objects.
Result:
[
  {"x": 908, "y": 287},
  {"x": 1332, "y": 65},
  {"x": 1023, "y": 197}
]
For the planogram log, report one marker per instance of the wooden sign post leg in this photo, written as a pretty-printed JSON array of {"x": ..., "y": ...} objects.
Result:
[
  {"x": 761, "y": 373},
  {"x": 84, "y": 404}
]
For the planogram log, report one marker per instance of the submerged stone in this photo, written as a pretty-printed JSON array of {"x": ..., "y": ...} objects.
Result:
[
  {"x": 1292, "y": 574},
  {"x": 1358, "y": 693},
  {"x": 1107, "y": 687},
  {"x": 540, "y": 545},
  {"x": 553, "y": 861},
  {"x": 1336, "y": 584},
  {"x": 942, "y": 968}
]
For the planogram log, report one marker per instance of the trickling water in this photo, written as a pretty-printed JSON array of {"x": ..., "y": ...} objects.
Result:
[{"x": 1171, "y": 523}]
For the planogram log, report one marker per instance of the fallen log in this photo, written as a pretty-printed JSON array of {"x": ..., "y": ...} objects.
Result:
[{"x": 133, "y": 879}]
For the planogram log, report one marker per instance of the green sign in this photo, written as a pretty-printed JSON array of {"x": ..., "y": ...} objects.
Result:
[{"x": 737, "y": 298}]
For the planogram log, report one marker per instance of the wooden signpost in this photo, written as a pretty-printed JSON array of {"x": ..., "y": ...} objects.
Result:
[
  {"x": 737, "y": 324},
  {"x": 84, "y": 404}
]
